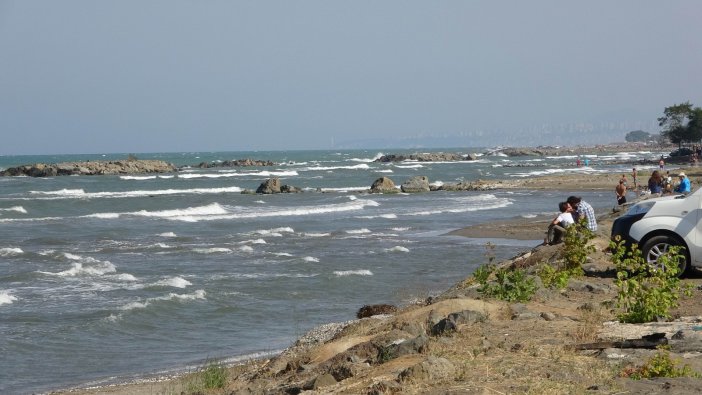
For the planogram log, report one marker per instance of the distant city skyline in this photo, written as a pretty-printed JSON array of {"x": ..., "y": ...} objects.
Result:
[{"x": 80, "y": 76}]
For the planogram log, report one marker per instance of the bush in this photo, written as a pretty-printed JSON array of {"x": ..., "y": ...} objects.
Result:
[
  {"x": 576, "y": 248},
  {"x": 553, "y": 277},
  {"x": 646, "y": 292},
  {"x": 659, "y": 365},
  {"x": 510, "y": 285}
]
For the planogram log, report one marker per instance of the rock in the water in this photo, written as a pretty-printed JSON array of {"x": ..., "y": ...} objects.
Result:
[
  {"x": 271, "y": 185},
  {"x": 383, "y": 185},
  {"x": 416, "y": 184},
  {"x": 130, "y": 166}
]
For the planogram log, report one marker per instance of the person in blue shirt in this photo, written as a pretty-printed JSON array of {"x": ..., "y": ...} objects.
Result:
[{"x": 684, "y": 186}]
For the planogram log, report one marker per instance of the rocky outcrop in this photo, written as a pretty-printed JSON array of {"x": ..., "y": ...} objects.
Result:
[
  {"x": 90, "y": 168},
  {"x": 416, "y": 184},
  {"x": 273, "y": 185},
  {"x": 383, "y": 185},
  {"x": 236, "y": 163},
  {"x": 375, "y": 309},
  {"x": 427, "y": 157}
]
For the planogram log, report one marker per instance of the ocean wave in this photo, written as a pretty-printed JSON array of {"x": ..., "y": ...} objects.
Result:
[
  {"x": 289, "y": 173},
  {"x": 77, "y": 269},
  {"x": 310, "y": 234},
  {"x": 255, "y": 241},
  {"x": 341, "y": 189},
  {"x": 398, "y": 249},
  {"x": 310, "y": 259},
  {"x": 6, "y": 298},
  {"x": 138, "y": 178},
  {"x": 274, "y": 232},
  {"x": 467, "y": 204},
  {"x": 213, "y": 250},
  {"x": 358, "y": 231},
  {"x": 81, "y": 194},
  {"x": 282, "y": 254},
  {"x": 326, "y": 168},
  {"x": 401, "y": 229},
  {"x": 199, "y": 294},
  {"x": 246, "y": 249},
  {"x": 386, "y": 216},
  {"x": 10, "y": 251},
  {"x": 176, "y": 282},
  {"x": 415, "y": 166},
  {"x": 18, "y": 209},
  {"x": 344, "y": 273},
  {"x": 168, "y": 234},
  {"x": 367, "y": 160}
]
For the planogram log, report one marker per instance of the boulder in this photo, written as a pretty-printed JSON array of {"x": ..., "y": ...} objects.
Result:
[
  {"x": 383, "y": 185},
  {"x": 416, "y": 184},
  {"x": 375, "y": 309},
  {"x": 271, "y": 185},
  {"x": 433, "y": 368}
]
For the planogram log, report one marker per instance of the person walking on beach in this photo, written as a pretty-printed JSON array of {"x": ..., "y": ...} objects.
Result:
[
  {"x": 633, "y": 174},
  {"x": 583, "y": 210},
  {"x": 557, "y": 227},
  {"x": 620, "y": 190},
  {"x": 661, "y": 163},
  {"x": 655, "y": 183},
  {"x": 684, "y": 186}
]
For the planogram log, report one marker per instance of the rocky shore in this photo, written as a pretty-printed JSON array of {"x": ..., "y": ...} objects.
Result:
[
  {"x": 562, "y": 341},
  {"x": 90, "y": 168}
]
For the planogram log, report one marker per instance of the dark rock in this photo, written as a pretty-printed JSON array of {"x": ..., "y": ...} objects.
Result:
[
  {"x": 320, "y": 381},
  {"x": 385, "y": 387},
  {"x": 270, "y": 186},
  {"x": 432, "y": 368},
  {"x": 375, "y": 309},
  {"x": 90, "y": 168},
  {"x": 236, "y": 163},
  {"x": 453, "y": 320}
]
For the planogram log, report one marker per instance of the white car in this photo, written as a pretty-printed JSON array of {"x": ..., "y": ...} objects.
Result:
[{"x": 656, "y": 224}]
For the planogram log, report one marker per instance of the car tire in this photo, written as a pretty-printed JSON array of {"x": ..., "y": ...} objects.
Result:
[{"x": 657, "y": 246}]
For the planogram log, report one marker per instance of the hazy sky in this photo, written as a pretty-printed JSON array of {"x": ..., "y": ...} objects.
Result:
[{"x": 144, "y": 76}]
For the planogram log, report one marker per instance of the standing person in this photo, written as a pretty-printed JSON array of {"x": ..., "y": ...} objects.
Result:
[
  {"x": 557, "y": 227},
  {"x": 584, "y": 210},
  {"x": 587, "y": 162},
  {"x": 655, "y": 183},
  {"x": 577, "y": 162},
  {"x": 620, "y": 190},
  {"x": 684, "y": 186},
  {"x": 633, "y": 174},
  {"x": 661, "y": 163}
]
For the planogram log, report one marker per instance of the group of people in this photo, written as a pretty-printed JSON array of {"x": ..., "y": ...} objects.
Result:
[
  {"x": 657, "y": 184},
  {"x": 573, "y": 210}
]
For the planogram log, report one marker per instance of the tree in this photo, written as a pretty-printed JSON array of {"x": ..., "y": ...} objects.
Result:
[
  {"x": 675, "y": 123},
  {"x": 694, "y": 124},
  {"x": 637, "y": 135}
]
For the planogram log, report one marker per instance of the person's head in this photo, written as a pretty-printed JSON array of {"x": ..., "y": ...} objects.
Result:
[
  {"x": 621, "y": 181},
  {"x": 574, "y": 201},
  {"x": 655, "y": 174},
  {"x": 681, "y": 175},
  {"x": 563, "y": 206}
]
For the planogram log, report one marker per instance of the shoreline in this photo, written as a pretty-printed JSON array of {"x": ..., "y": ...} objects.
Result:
[{"x": 517, "y": 228}]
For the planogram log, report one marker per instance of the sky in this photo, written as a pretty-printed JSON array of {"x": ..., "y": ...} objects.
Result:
[{"x": 168, "y": 76}]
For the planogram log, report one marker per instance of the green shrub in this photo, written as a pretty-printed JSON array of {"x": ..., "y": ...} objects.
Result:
[
  {"x": 553, "y": 277},
  {"x": 510, "y": 285},
  {"x": 576, "y": 248},
  {"x": 660, "y": 365},
  {"x": 646, "y": 292}
]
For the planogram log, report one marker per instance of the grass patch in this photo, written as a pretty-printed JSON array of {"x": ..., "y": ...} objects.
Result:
[{"x": 212, "y": 375}]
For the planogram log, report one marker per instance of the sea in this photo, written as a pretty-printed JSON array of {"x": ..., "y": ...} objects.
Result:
[{"x": 109, "y": 279}]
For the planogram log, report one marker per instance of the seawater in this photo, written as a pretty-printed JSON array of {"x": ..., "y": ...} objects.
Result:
[{"x": 107, "y": 278}]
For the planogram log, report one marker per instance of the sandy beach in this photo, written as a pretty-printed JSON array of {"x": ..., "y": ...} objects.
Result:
[{"x": 513, "y": 348}]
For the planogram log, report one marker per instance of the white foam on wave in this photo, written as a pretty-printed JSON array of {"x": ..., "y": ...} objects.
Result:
[
  {"x": 246, "y": 249},
  {"x": 384, "y": 171},
  {"x": 6, "y": 298},
  {"x": 210, "y": 209},
  {"x": 327, "y": 168},
  {"x": 415, "y": 166},
  {"x": 466, "y": 204},
  {"x": 397, "y": 249},
  {"x": 290, "y": 173},
  {"x": 367, "y": 160},
  {"x": 342, "y": 189},
  {"x": 138, "y": 178},
  {"x": 10, "y": 251},
  {"x": 274, "y": 232},
  {"x": 358, "y": 231},
  {"x": 199, "y": 294},
  {"x": 386, "y": 216},
  {"x": 310, "y": 234},
  {"x": 103, "y": 215},
  {"x": 344, "y": 273},
  {"x": 401, "y": 229},
  {"x": 168, "y": 234},
  {"x": 125, "y": 277},
  {"x": 528, "y": 215},
  {"x": 18, "y": 209},
  {"x": 77, "y": 269},
  {"x": 81, "y": 194},
  {"x": 282, "y": 254},
  {"x": 176, "y": 282},
  {"x": 310, "y": 259},
  {"x": 213, "y": 250},
  {"x": 255, "y": 241}
]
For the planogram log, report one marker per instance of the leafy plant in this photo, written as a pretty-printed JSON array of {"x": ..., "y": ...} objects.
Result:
[
  {"x": 576, "y": 248},
  {"x": 510, "y": 285},
  {"x": 660, "y": 365},
  {"x": 646, "y": 292},
  {"x": 553, "y": 277}
]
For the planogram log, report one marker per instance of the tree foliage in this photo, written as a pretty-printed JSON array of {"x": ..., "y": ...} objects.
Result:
[
  {"x": 681, "y": 123},
  {"x": 637, "y": 136}
]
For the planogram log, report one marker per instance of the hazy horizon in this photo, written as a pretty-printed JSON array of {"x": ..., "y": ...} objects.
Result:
[{"x": 180, "y": 76}]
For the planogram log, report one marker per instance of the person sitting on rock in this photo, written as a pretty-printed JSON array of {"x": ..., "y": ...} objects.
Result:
[{"x": 557, "y": 227}]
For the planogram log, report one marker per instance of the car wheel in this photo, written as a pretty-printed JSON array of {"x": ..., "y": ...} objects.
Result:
[{"x": 658, "y": 246}]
